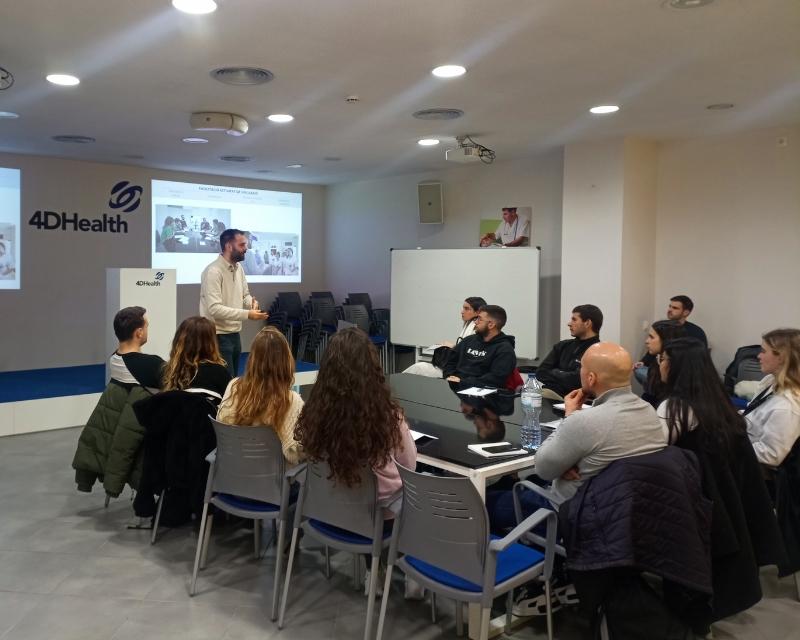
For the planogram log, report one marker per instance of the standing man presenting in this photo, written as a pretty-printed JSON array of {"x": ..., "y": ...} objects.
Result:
[{"x": 225, "y": 298}]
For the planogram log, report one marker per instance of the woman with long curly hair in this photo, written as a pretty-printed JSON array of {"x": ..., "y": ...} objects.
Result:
[
  {"x": 773, "y": 416},
  {"x": 350, "y": 420},
  {"x": 195, "y": 361},
  {"x": 263, "y": 396}
]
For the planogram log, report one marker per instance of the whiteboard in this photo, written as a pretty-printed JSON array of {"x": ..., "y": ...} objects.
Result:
[{"x": 430, "y": 285}]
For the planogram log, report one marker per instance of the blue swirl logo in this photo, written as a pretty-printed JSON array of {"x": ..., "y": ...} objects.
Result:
[
  {"x": 125, "y": 196},
  {"x": 159, "y": 275}
]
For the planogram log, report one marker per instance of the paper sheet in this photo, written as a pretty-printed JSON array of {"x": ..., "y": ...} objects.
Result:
[
  {"x": 477, "y": 391},
  {"x": 417, "y": 435}
]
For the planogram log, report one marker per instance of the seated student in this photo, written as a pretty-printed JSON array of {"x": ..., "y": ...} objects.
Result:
[
  {"x": 194, "y": 361},
  {"x": 128, "y": 364},
  {"x": 487, "y": 358},
  {"x": 660, "y": 332},
  {"x": 679, "y": 309},
  {"x": 697, "y": 415},
  {"x": 351, "y": 420},
  {"x": 560, "y": 370},
  {"x": 469, "y": 312},
  {"x": 773, "y": 416},
  {"x": 263, "y": 396}
]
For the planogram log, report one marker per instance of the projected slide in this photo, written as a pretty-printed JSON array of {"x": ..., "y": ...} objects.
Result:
[
  {"x": 9, "y": 229},
  {"x": 189, "y": 218}
]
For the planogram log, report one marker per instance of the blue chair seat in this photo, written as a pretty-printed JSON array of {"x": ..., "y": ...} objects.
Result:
[
  {"x": 516, "y": 559},
  {"x": 237, "y": 502},
  {"x": 344, "y": 535},
  {"x": 377, "y": 339}
]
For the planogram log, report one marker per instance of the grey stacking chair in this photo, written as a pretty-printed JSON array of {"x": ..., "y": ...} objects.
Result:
[
  {"x": 248, "y": 479},
  {"x": 443, "y": 530},
  {"x": 347, "y": 519},
  {"x": 357, "y": 314}
]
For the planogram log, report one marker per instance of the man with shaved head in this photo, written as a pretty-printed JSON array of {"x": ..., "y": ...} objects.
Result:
[{"x": 618, "y": 425}]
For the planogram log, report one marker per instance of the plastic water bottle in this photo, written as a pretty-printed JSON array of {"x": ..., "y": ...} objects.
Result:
[{"x": 531, "y": 400}]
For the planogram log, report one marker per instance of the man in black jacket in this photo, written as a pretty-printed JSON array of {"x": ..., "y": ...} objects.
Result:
[
  {"x": 484, "y": 359},
  {"x": 560, "y": 371}
]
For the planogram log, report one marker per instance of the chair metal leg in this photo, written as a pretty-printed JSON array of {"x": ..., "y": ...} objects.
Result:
[
  {"x": 257, "y": 539},
  {"x": 509, "y": 607},
  {"x": 278, "y": 568},
  {"x": 356, "y": 571},
  {"x": 797, "y": 584},
  {"x": 384, "y": 601},
  {"x": 158, "y": 517},
  {"x": 433, "y": 607},
  {"x": 285, "y": 596},
  {"x": 108, "y": 499},
  {"x": 199, "y": 552},
  {"x": 206, "y": 542},
  {"x": 327, "y": 562},
  {"x": 459, "y": 619},
  {"x": 373, "y": 581},
  {"x": 549, "y": 608}
]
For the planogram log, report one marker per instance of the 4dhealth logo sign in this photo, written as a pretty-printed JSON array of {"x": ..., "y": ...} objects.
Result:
[{"x": 124, "y": 196}]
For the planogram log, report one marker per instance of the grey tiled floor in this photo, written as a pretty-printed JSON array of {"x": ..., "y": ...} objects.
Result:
[{"x": 71, "y": 569}]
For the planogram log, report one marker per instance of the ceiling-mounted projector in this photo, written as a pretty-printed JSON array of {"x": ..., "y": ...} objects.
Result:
[
  {"x": 469, "y": 151},
  {"x": 230, "y": 123}
]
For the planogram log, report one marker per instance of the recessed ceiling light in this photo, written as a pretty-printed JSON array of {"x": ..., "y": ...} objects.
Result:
[
  {"x": 242, "y": 76},
  {"x": 63, "y": 80},
  {"x": 449, "y": 71},
  {"x": 688, "y": 4},
  {"x": 196, "y": 7},
  {"x": 428, "y": 142},
  {"x": 720, "y": 106},
  {"x": 438, "y": 114},
  {"x": 294, "y": 166},
  {"x": 195, "y": 140},
  {"x": 8, "y": 115},
  {"x": 74, "y": 139},
  {"x": 604, "y": 108},
  {"x": 280, "y": 117}
]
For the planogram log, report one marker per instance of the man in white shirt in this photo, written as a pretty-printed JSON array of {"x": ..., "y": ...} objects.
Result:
[
  {"x": 513, "y": 231},
  {"x": 225, "y": 298},
  {"x": 8, "y": 267}
]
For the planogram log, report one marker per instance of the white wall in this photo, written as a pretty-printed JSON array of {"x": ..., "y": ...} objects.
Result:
[
  {"x": 57, "y": 318},
  {"x": 728, "y": 234},
  {"x": 366, "y": 219},
  {"x": 638, "y": 240},
  {"x": 591, "y": 248}
]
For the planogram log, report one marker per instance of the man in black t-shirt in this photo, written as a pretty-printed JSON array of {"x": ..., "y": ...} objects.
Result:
[
  {"x": 128, "y": 364},
  {"x": 679, "y": 309},
  {"x": 560, "y": 371}
]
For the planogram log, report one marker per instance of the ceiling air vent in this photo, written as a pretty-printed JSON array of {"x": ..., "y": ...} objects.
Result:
[
  {"x": 235, "y": 158},
  {"x": 74, "y": 139},
  {"x": 438, "y": 114},
  {"x": 6, "y": 78},
  {"x": 242, "y": 76}
]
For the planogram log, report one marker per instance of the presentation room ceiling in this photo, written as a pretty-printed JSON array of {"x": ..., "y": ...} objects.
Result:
[{"x": 534, "y": 68}]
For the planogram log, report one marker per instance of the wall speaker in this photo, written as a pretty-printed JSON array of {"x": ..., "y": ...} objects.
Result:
[{"x": 431, "y": 205}]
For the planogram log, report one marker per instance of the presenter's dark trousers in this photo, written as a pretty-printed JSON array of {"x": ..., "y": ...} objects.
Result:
[{"x": 230, "y": 347}]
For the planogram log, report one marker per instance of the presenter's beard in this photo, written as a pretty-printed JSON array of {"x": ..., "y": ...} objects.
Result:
[{"x": 237, "y": 256}]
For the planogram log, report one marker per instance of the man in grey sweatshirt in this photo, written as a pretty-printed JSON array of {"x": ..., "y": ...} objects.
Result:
[{"x": 618, "y": 425}]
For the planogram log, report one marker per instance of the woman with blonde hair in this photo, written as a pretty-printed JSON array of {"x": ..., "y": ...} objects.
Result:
[
  {"x": 773, "y": 416},
  {"x": 263, "y": 396},
  {"x": 194, "y": 361}
]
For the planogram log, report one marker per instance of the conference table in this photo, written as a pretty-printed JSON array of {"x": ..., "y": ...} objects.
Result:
[{"x": 450, "y": 422}]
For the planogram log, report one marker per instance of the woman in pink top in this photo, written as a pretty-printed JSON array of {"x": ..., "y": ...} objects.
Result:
[{"x": 350, "y": 419}]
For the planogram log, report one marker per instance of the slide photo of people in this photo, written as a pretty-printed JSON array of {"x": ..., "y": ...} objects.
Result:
[
  {"x": 8, "y": 264},
  {"x": 182, "y": 229},
  {"x": 272, "y": 254},
  {"x": 512, "y": 229}
]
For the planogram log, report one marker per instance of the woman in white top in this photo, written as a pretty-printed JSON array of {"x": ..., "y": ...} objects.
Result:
[
  {"x": 773, "y": 416},
  {"x": 469, "y": 311}
]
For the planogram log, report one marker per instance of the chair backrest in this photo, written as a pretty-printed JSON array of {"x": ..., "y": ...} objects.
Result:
[
  {"x": 291, "y": 303},
  {"x": 353, "y": 509},
  {"x": 249, "y": 462},
  {"x": 444, "y": 523},
  {"x": 323, "y": 294},
  {"x": 325, "y": 310},
  {"x": 357, "y": 314},
  {"x": 360, "y": 298}
]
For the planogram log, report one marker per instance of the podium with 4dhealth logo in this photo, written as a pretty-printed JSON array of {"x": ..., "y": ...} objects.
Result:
[{"x": 153, "y": 289}]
